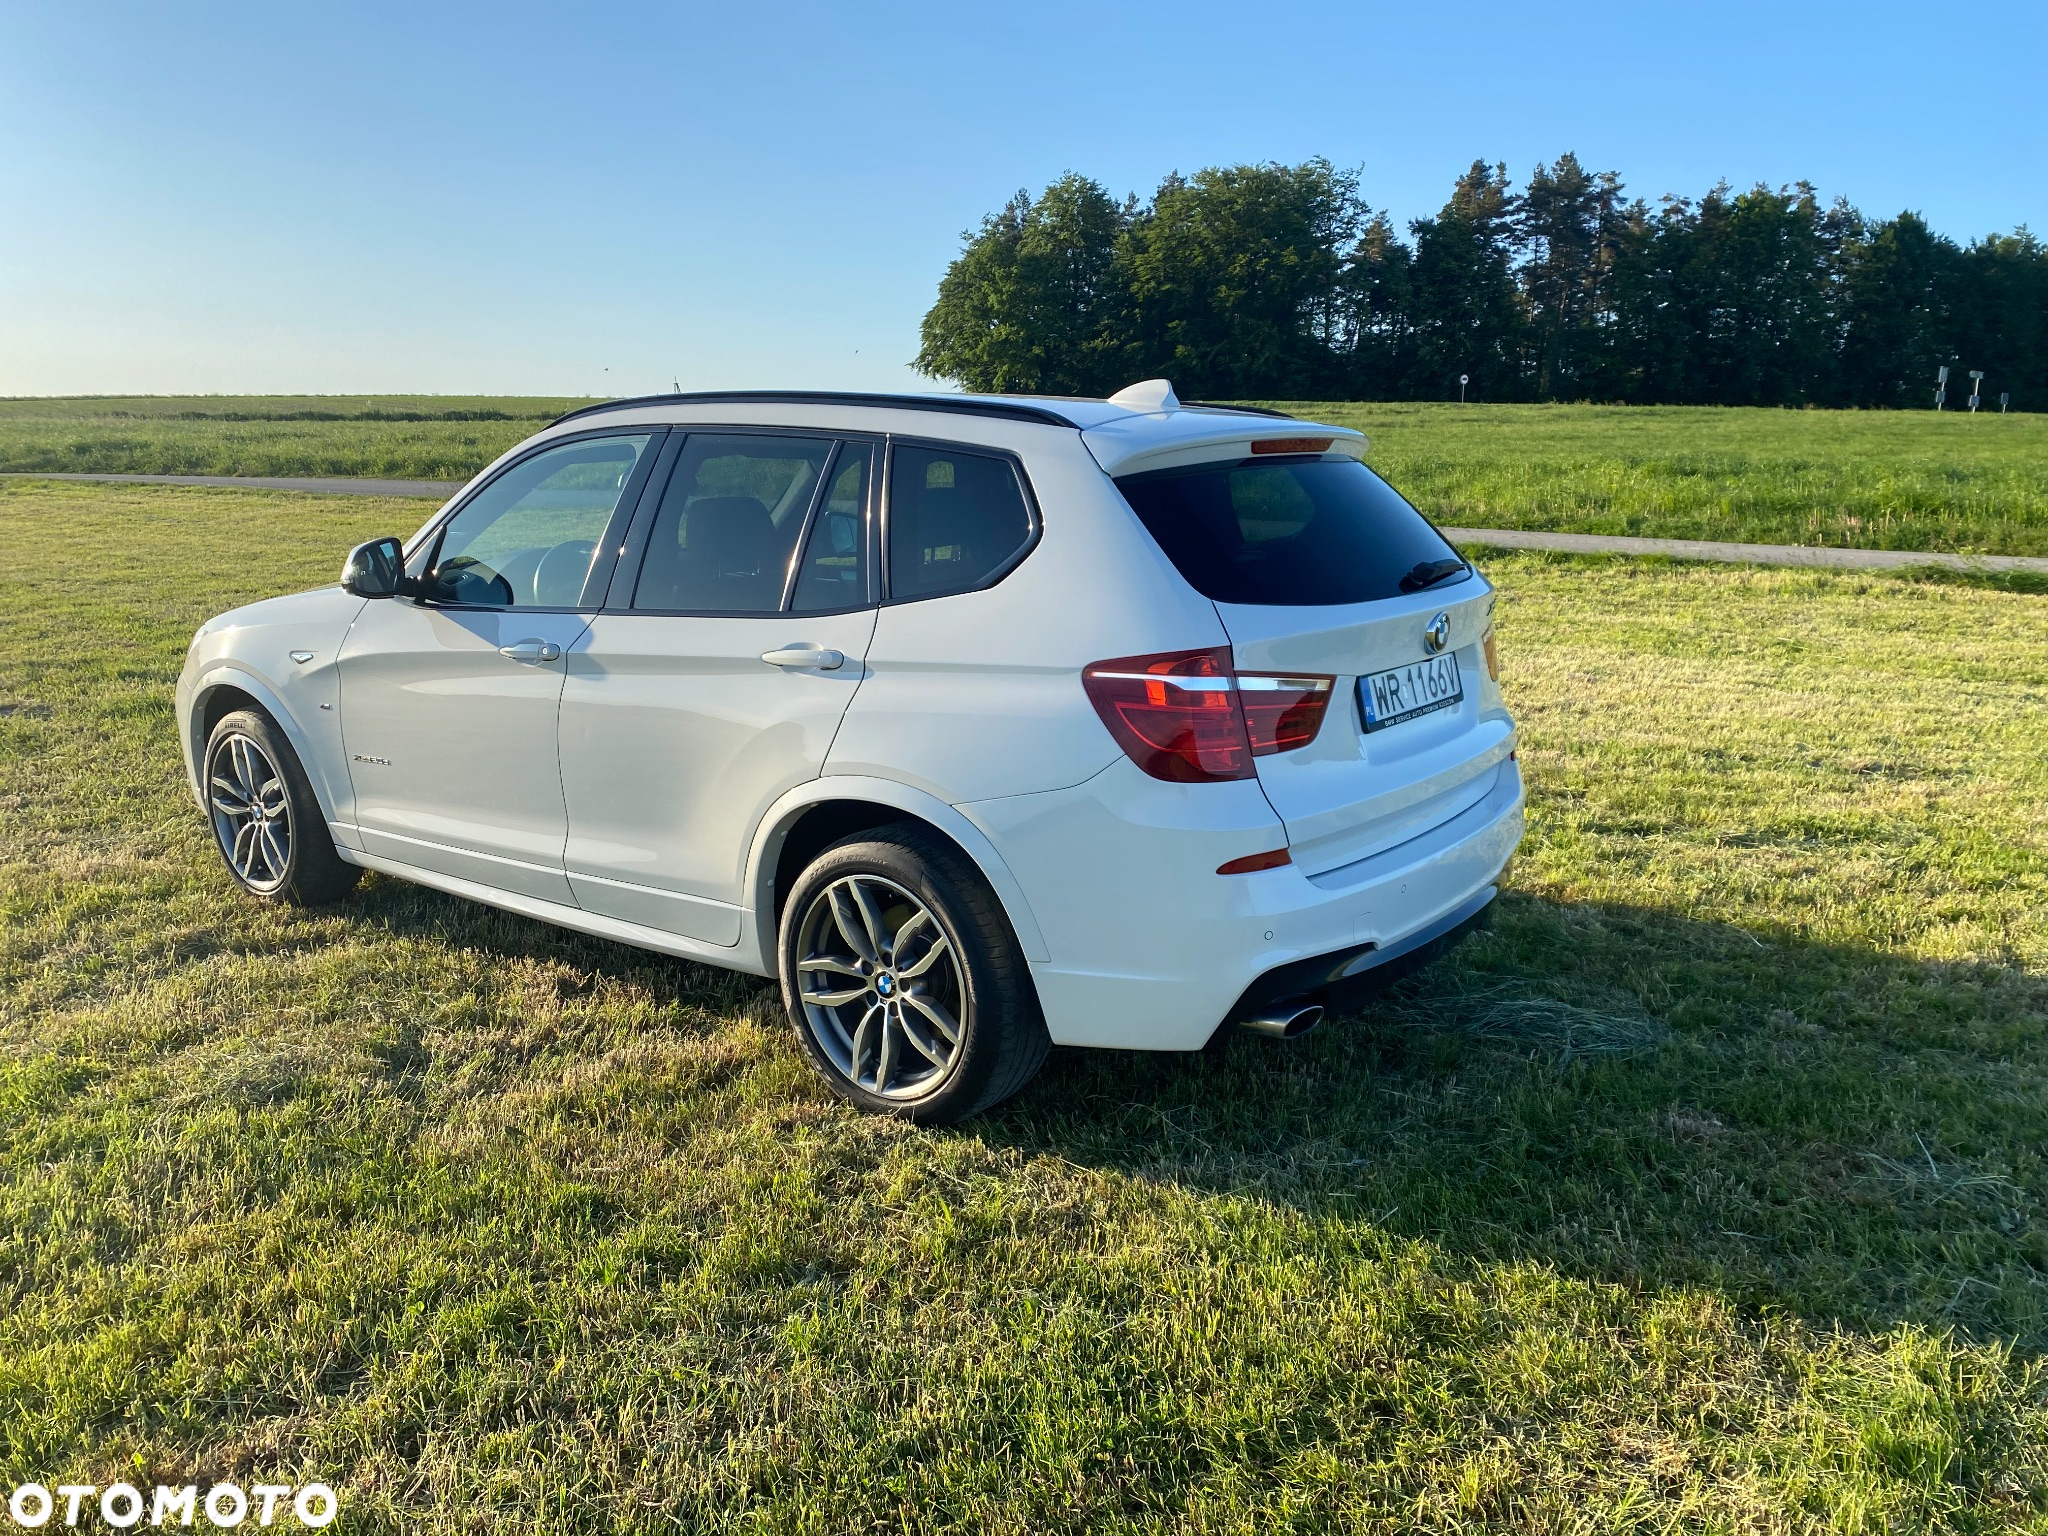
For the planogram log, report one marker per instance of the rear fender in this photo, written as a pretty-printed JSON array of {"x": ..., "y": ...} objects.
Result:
[{"x": 757, "y": 935}]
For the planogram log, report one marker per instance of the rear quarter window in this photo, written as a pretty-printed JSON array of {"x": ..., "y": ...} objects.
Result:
[
  {"x": 957, "y": 521},
  {"x": 1292, "y": 533}
]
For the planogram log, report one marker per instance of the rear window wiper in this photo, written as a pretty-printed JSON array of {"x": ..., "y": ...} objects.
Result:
[{"x": 1430, "y": 572}]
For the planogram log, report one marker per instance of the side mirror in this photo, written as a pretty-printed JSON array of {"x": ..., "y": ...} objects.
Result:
[{"x": 375, "y": 569}]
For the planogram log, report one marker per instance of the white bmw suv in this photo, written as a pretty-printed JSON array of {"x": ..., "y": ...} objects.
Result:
[{"x": 984, "y": 723}]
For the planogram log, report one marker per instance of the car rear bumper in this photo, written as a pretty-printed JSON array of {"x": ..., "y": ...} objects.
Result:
[
  {"x": 1150, "y": 949},
  {"x": 1349, "y": 976}
]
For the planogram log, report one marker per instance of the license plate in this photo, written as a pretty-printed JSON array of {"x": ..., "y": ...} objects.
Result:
[{"x": 1401, "y": 693}]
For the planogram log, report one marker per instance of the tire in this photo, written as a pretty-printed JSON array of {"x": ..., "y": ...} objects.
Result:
[
  {"x": 267, "y": 823},
  {"x": 877, "y": 1032}
]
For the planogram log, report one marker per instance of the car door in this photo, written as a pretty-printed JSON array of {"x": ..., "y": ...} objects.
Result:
[
  {"x": 714, "y": 678},
  {"x": 449, "y": 696}
]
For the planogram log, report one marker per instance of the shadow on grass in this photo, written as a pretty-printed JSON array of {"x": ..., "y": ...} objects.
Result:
[
  {"x": 1623, "y": 1094},
  {"x": 1638, "y": 1098}
]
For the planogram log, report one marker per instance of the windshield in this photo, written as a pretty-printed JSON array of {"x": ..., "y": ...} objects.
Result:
[{"x": 1291, "y": 533}]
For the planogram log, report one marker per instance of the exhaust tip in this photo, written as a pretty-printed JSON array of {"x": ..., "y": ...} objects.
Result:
[{"x": 1285, "y": 1023}]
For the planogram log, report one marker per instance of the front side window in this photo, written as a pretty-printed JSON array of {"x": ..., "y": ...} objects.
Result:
[
  {"x": 955, "y": 520},
  {"x": 528, "y": 539},
  {"x": 728, "y": 523},
  {"x": 1291, "y": 534}
]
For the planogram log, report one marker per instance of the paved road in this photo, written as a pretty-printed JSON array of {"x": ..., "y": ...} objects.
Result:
[
  {"x": 1497, "y": 538},
  {"x": 426, "y": 490},
  {"x": 1741, "y": 554}
]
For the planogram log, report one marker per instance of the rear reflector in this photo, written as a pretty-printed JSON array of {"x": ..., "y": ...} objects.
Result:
[
  {"x": 1492, "y": 656},
  {"x": 1184, "y": 716},
  {"x": 1292, "y": 444},
  {"x": 1255, "y": 861}
]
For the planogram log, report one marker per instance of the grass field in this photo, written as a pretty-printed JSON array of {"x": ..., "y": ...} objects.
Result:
[
  {"x": 1873, "y": 479},
  {"x": 431, "y": 437},
  {"x": 1866, "y": 479},
  {"x": 1707, "y": 1192}
]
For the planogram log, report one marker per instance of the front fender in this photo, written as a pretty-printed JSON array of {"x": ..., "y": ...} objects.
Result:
[
  {"x": 758, "y": 921},
  {"x": 337, "y": 799}
]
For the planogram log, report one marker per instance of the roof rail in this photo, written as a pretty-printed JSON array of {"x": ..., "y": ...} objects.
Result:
[{"x": 963, "y": 405}]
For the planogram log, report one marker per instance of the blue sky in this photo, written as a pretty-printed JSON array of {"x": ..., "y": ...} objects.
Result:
[{"x": 503, "y": 199}]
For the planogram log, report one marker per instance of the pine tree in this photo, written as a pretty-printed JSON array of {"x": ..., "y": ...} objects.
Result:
[
  {"x": 1377, "y": 348},
  {"x": 1467, "y": 316},
  {"x": 1565, "y": 223},
  {"x": 1896, "y": 278}
]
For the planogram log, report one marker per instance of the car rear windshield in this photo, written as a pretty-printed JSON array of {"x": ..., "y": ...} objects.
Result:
[{"x": 1291, "y": 533}]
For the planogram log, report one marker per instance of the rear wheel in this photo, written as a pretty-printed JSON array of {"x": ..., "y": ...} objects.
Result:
[
  {"x": 266, "y": 821},
  {"x": 905, "y": 983}
]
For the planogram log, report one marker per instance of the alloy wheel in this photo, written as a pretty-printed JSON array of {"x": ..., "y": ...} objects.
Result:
[
  {"x": 252, "y": 813},
  {"x": 881, "y": 986}
]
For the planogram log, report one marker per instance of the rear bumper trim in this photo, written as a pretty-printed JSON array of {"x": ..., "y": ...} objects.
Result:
[{"x": 1364, "y": 967}]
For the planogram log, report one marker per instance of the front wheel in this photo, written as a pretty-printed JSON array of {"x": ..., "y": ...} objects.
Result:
[
  {"x": 906, "y": 986},
  {"x": 266, "y": 820}
]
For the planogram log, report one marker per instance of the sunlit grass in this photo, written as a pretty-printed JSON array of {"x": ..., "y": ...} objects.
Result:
[
  {"x": 1870, "y": 479},
  {"x": 1867, "y": 479},
  {"x": 428, "y": 437},
  {"x": 1705, "y": 1193}
]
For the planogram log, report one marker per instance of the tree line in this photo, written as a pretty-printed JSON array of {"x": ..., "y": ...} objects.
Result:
[{"x": 1281, "y": 282}]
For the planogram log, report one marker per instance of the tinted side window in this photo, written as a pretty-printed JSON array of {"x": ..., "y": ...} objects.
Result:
[
  {"x": 834, "y": 570},
  {"x": 528, "y": 538},
  {"x": 954, "y": 519},
  {"x": 1291, "y": 534},
  {"x": 729, "y": 522}
]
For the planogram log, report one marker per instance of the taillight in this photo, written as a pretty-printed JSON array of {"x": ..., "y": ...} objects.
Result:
[
  {"x": 1175, "y": 714},
  {"x": 1282, "y": 713},
  {"x": 1185, "y": 717}
]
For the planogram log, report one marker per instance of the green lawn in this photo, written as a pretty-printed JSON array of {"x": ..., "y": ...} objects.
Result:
[
  {"x": 1874, "y": 479},
  {"x": 427, "y": 437},
  {"x": 1707, "y": 1192},
  {"x": 1870, "y": 479}
]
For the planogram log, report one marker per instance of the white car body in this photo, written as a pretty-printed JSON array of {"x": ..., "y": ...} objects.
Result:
[{"x": 645, "y": 784}]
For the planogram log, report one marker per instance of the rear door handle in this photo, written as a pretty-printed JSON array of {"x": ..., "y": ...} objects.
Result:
[
  {"x": 804, "y": 654},
  {"x": 531, "y": 651}
]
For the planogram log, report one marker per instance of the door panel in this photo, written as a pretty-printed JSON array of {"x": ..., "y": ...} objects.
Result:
[
  {"x": 449, "y": 704},
  {"x": 451, "y": 744},
  {"x": 676, "y": 737}
]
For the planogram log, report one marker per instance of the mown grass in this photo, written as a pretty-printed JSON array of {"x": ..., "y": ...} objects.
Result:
[
  {"x": 1867, "y": 479},
  {"x": 1706, "y": 1192},
  {"x": 1863, "y": 479}
]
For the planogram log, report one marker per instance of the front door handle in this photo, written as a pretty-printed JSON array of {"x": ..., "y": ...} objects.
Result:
[
  {"x": 804, "y": 654},
  {"x": 531, "y": 651}
]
